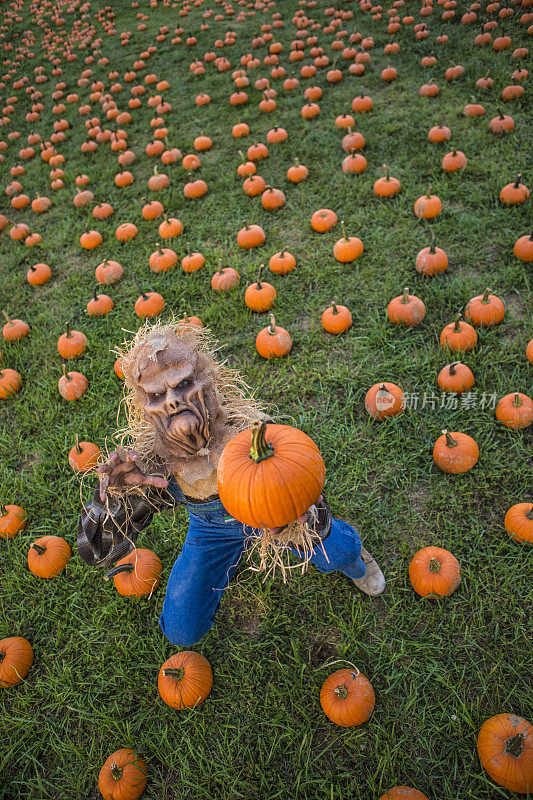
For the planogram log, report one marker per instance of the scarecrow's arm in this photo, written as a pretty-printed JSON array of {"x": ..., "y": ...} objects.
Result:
[{"x": 108, "y": 530}]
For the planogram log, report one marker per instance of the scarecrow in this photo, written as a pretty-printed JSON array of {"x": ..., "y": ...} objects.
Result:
[{"x": 183, "y": 405}]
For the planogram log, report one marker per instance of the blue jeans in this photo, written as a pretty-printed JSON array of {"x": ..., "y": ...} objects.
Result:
[{"x": 210, "y": 555}]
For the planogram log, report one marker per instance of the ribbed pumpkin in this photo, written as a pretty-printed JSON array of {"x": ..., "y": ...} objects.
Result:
[
  {"x": 515, "y": 410},
  {"x": 434, "y": 572},
  {"x": 273, "y": 341},
  {"x": 403, "y": 793},
  {"x": 384, "y": 400},
  {"x": 347, "y": 698},
  {"x": 123, "y": 776},
  {"x": 260, "y": 296},
  {"x": 458, "y": 335},
  {"x": 16, "y": 658},
  {"x": 336, "y": 319},
  {"x": 431, "y": 260},
  {"x": 505, "y": 749},
  {"x": 347, "y": 248},
  {"x": 406, "y": 309},
  {"x": 138, "y": 574},
  {"x": 48, "y": 556},
  {"x": 485, "y": 309},
  {"x": 185, "y": 680},
  {"x": 269, "y": 475},
  {"x": 455, "y": 377},
  {"x": 10, "y": 382},
  {"x": 13, "y": 521},
  {"x": 518, "y": 523},
  {"x": 71, "y": 344},
  {"x": 455, "y": 452},
  {"x": 83, "y": 456},
  {"x": 14, "y": 329}
]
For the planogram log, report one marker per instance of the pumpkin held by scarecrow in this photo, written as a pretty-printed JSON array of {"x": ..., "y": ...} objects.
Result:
[{"x": 197, "y": 437}]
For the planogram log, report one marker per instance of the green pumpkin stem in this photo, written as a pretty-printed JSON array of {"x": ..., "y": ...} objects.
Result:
[
  {"x": 334, "y": 309},
  {"x": 260, "y": 449},
  {"x": 517, "y": 402},
  {"x": 272, "y": 326},
  {"x": 529, "y": 514},
  {"x": 433, "y": 240},
  {"x": 69, "y": 332},
  {"x": 118, "y": 569},
  {"x": 39, "y": 548},
  {"x": 343, "y": 229},
  {"x": 449, "y": 441},
  {"x": 341, "y": 691},
  {"x": 95, "y": 296},
  {"x": 116, "y": 771},
  {"x": 517, "y": 181},
  {"x": 405, "y": 296},
  {"x": 485, "y": 298},
  {"x": 259, "y": 284},
  {"x": 65, "y": 373},
  {"x": 453, "y": 366},
  {"x": 77, "y": 444},
  {"x": 515, "y": 745},
  {"x": 174, "y": 672},
  {"x": 457, "y": 327},
  {"x": 434, "y": 565},
  {"x": 8, "y": 318}
]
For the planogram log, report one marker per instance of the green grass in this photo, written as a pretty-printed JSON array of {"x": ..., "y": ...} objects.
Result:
[{"x": 438, "y": 669}]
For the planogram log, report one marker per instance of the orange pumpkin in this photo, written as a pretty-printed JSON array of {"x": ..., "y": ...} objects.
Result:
[
  {"x": 514, "y": 193},
  {"x": 123, "y": 776},
  {"x": 12, "y": 522},
  {"x": 523, "y": 248},
  {"x": 403, "y": 793},
  {"x": 71, "y": 344},
  {"x": 431, "y": 260},
  {"x": 407, "y": 309},
  {"x": 48, "y": 556},
  {"x": 458, "y": 336},
  {"x": 99, "y": 305},
  {"x": 428, "y": 206},
  {"x": 434, "y": 572},
  {"x": 515, "y": 410},
  {"x": 72, "y": 385},
  {"x": 225, "y": 278},
  {"x": 185, "y": 680},
  {"x": 260, "y": 296},
  {"x": 273, "y": 341},
  {"x": 455, "y": 452},
  {"x": 274, "y": 462},
  {"x": 348, "y": 248},
  {"x": 485, "y": 309},
  {"x": 90, "y": 240},
  {"x": 336, "y": 319},
  {"x": 384, "y": 400},
  {"x": 16, "y": 658},
  {"x": 387, "y": 186},
  {"x": 108, "y": 272},
  {"x": 347, "y": 698},
  {"x": 323, "y": 220},
  {"x": 250, "y": 236},
  {"x": 14, "y": 329},
  {"x": 10, "y": 382},
  {"x": 138, "y": 574},
  {"x": 456, "y": 378},
  {"x": 505, "y": 749},
  {"x": 192, "y": 261},
  {"x": 283, "y": 262},
  {"x": 518, "y": 523},
  {"x": 83, "y": 456}
]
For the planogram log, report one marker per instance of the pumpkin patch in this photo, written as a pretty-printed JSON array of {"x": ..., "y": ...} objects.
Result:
[{"x": 319, "y": 157}]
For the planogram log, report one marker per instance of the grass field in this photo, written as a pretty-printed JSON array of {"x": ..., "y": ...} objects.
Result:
[{"x": 439, "y": 669}]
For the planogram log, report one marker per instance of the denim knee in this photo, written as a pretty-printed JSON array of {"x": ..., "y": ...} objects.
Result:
[{"x": 182, "y": 632}]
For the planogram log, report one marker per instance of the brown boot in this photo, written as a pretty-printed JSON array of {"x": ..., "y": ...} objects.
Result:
[{"x": 373, "y": 581}]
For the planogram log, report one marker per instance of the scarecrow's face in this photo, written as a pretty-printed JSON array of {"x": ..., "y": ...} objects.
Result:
[{"x": 178, "y": 395}]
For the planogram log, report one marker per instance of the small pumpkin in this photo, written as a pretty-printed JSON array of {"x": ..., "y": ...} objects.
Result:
[
  {"x": 403, "y": 793},
  {"x": 428, "y": 206},
  {"x": 455, "y": 453},
  {"x": 117, "y": 368},
  {"x": 48, "y": 556},
  {"x": 185, "y": 680},
  {"x": 16, "y": 658},
  {"x": 336, "y": 319},
  {"x": 458, "y": 335},
  {"x": 529, "y": 351},
  {"x": 170, "y": 228},
  {"x": 272, "y": 199},
  {"x": 434, "y": 572},
  {"x": 439, "y": 133},
  {"x": 273, "y": 341},
  {"x": 505, "y": 749},
  {"x": 387, "y": 186},
  {"x": 108, "y": 272},
  {"x": 523, "y": 248},
  {"x": 297, "y": 173},
  {"x": 407, "y": 309},
  {"x": 384, "y": 400},
  {"x": 12, "y": 522},
  {"x": 10, "y": 382},
  {"x": 454, "y": 161},
  {"x": 250, "y": 236},
  {"x": 162, "y": 260},
  {"x": 192, "y": 261},
  {"x": 225, "y": 278},
  {"x": 126, "y": 232},
  {"x": 90, "y": 240},
  {"x": 485, "y": 309},
  {"x": 138, "y": 574},
  {"x": 514, "y": 193},
  {"x": 515, "y": 410},
  {"x": 83, "y": 456},
  {"x": 14, "y": 329},
  {"x": 347, "y": 698},
  {"x": 348, "y": 248},
  {"x": 71, "y": 344},
  {"x": 282, "y": 263},
  {"x": 431, "y": 260},
  {"x": 100, "y": 304},
  {"x": 456, "y": 378},
  {"x": 260, "y": 296},
  {"x": 271, "y": 461},
  {"x": 149, "y": 304},
  {"x": 323, "y": 220},
  {"x": 123, "y": 776},
  {"x": 518, "y": 523},
  {"x": 72, "y": 385}
]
